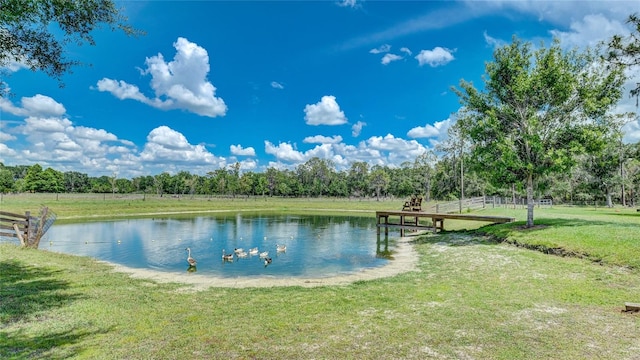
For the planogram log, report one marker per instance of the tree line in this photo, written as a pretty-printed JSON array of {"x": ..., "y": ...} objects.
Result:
[{"x": 612, "y": 176}]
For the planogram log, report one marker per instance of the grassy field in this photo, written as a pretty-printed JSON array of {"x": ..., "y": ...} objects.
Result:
[{"x": 471, "y": 298}]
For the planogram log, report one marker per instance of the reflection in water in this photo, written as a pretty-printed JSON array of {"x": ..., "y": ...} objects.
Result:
[
  {"x": 192, "y": 268},
  {"x": 316, "y": 246}
]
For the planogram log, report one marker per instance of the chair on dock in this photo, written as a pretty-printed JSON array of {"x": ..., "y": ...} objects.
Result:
[{"x": 414, "y": 204}]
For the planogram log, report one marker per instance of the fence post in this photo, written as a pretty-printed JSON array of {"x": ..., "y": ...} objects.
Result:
[{"x": 30, "y": 225}]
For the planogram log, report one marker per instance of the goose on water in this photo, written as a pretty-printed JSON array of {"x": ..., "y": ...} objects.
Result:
[
  {"x": 267, "y": 261},
  {"x": 264, "y": 254},
  {"x": 253, "y": 251},
  {"x": 227, "y": 257},
  {"x": 190, "y": 260},
  {"x": 281, "y": 247},
  {"x": 238, "y": 250}
]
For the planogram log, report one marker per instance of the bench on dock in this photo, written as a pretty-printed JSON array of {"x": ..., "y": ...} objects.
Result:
[{"x": 411, "y": 220}]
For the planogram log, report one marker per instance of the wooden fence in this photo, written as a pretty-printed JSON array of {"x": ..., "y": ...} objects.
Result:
[
  {"x": 28, "y": 229},
  {"x": 483, "y": 202}
]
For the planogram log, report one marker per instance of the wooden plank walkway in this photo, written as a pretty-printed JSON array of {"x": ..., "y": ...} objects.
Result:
[{"x": 410, "y": 220}]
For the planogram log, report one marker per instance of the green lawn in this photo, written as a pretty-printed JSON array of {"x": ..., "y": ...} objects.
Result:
[{"x": 472, "y": 297}]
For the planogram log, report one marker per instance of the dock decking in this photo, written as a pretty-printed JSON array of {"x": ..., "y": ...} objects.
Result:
[{"x": 410, "y": 220}]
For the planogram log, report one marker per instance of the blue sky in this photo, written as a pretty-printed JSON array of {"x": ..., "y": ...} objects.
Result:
[{"x": 275, "y": 83}]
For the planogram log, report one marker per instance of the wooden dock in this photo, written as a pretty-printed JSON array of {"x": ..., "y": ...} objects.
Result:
[{"x": 410, "y": 220}]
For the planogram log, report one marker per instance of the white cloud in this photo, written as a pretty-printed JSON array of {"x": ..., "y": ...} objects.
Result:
[
  {"x": 283, "y": 152},
  {"x": 319, "y": 139},
  {"x": 240, "y": 151},
  {"x": 437, "y": 130},
  {"x": 631, "y": 131},
  {"x": 165, "y": 145},
  {"x": 387, "y": 58},
  {"x": 357, "y": 128},
  {"x": 325, "y": 112},
  {"x": 589, "y": 31},
  {"x": 38, "y": 105},
  {"x": 6, "y": 137},
  {"x": 54, "y": 141},
  {"x": 178, "y": 84},
  {"x": 276, "y": 85},
  {"x": 436, "y": 57},
  {"x": 493, "y": 42},
  {"x": 6, "y": 153},
  {"x": 349, "y": 3},
  {"x": 406, "y": 50},
  {"x": 248, "y": 164},
  {"x": 556, "y": 12},
  {"x": 381, "y": 49}
]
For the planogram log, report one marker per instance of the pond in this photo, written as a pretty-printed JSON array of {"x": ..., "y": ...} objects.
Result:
[{"x": 316, "y": 246}]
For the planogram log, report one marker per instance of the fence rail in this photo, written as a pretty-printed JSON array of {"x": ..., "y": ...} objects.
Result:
[
  {"x": 28, "y": 229},
  {"x": 16, "y": 225},
  {"x": 483, "y": 202}
]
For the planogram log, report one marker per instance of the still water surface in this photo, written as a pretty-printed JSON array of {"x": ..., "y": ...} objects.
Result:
[{"x": 316, "y": 246}]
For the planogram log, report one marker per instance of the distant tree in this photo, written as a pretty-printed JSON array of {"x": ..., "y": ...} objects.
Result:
[
  {"x": 529, "y": 119},
  {"x": 7, "y": 182},
  {"x": 379, "y": 180},
  {"x": 357, "y": 178},
  {"x": 245, "y": 184},
  {"x": 28, "y": 37},
  {"x": 75, "y": 181},
  {"x": 315, "y": 175},
  {"x": 423, "y": 166}
]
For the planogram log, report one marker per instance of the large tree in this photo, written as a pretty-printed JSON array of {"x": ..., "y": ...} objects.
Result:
[
  {"x": 27, "y": 36},
  {"x": 536, "y": 111}
]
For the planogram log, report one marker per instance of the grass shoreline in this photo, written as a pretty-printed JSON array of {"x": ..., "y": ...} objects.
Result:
[{"x": 470, "y": 297}]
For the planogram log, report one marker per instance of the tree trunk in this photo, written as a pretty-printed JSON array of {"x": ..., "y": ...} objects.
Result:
[
  {"x": 530, "y": 200},
  {"x": 609, "y": 202}
]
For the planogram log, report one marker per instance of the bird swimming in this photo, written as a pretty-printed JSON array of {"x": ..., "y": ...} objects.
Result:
[
  {"x": 253, "y": 251},
  {"x": 267, "y": 261},
  {"x": 264, "y": 254},
  {"x": 281, "y": 247},
  {"x": 190, "y": 260},
  {"x": 242, "y": 254},
  {"x": 226, "y": 257},
  {"x": 238, "y": 250}
]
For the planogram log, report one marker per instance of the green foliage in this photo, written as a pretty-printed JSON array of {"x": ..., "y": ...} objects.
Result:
[
  {"x": 29, "y": 38},
  {"x": 529, "y": 119}
]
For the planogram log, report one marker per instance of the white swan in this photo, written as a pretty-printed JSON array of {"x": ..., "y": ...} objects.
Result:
[{"x": 190, "y": 260}]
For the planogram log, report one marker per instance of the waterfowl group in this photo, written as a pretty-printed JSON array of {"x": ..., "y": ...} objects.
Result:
[{"x": 240, "y": 253}]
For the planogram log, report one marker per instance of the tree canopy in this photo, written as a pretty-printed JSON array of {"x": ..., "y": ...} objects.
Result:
[{"x": 539, "y": 108}]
